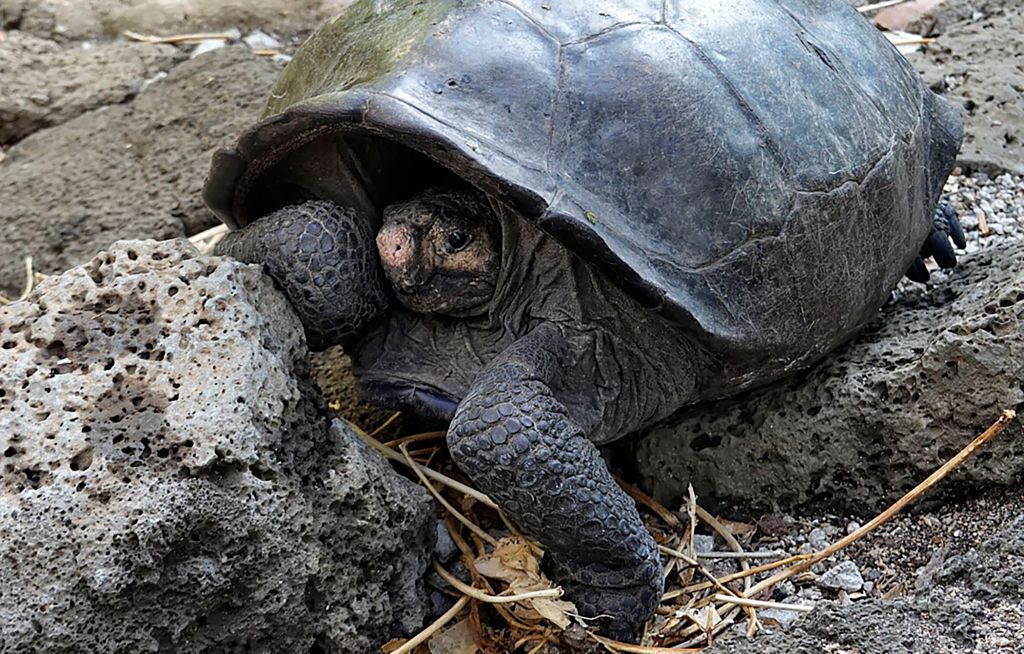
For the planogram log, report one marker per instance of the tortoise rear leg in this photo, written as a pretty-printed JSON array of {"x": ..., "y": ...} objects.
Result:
[
  {"x": 946, "y": 232},
  {"x": 515, "y": 440},
  {"x": 324, "y": 259}
]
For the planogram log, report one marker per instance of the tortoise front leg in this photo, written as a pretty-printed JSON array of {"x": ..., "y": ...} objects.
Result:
[
  {"x": 325, "y": 260},
  {"x": 516, "y": 442}
]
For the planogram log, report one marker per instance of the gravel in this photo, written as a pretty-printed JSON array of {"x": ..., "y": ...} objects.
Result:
[{"x": 995, "y": 201}]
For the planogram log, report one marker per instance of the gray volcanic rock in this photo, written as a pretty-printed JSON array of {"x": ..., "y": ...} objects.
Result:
[
  {"x": 974, "y": 603},
  {"x": 980, "y": 67},
  {"x": 908, "y": 626},
  {"x": 46, "y": 85},
  {"x": 172, "y": 481},
  {"x": 873, "y": 419},
  {"x": 131, "y": 170}
]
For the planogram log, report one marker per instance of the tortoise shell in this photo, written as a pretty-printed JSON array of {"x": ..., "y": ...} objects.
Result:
[{"x": 760, "y": 172}]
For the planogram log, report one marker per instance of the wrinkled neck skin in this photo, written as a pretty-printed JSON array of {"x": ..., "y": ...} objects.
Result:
[{"x": 628, "y": 366}]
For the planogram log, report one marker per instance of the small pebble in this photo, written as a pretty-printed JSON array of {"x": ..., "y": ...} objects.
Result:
[
  {"x": 152, "y": 80},
  {"x": 703, "y": 543},
  {"x": 206, "y": 46},
  {"x": 261, "y": 41},
  {"x": 818, "y": 538},
  {"x": 845, "y": 576},
  {"x": 785, "y": 619}
]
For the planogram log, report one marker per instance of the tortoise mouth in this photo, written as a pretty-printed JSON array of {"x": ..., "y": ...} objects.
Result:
[{"x": 403, "y": 394}]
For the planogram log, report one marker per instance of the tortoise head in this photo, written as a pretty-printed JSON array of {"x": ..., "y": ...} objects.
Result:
[{"x": 441, "y": 251}]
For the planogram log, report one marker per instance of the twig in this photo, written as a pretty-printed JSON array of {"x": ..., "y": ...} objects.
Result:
[
  {"x": 384, "y": 425},
  {"x": 879, "y": 5},
  {"x": 765, "y": 567},
  {"x": 477, "y": 594},
  {"x": 731, "y": 541},
  {"x": 469, "y": 559},
  {"x": 542, "y": 643},
  {"x": 712, "y": 579},
  {"x": 934, "y": 478},
  {"x": 919, "y": 40},
  {"x": 691, "y": 508},
  {"x": 644, "y": 499},
  {"x": 415, "y": 438},
  {"x": 433, "y": 628},
  {"x": 740, "y": 555},
  {"x": 761, "y": 604},
  {"x": 726, "y": 535},
  {"x": 207, "y": 240},
  {"x": 617, "y": 646},
  {"x": 983, "y": 228},
  {"x": 682, "y": 556},
  {"x": 30, "y": 281},
  {"x": 30, "y": 278},
  {"x": 429, "y": 472},
  {"x": 416, "y": 468},
  {"x": 179, "y": 38}
]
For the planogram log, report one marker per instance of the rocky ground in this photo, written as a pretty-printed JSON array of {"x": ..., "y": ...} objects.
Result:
[{"x": 103, "y": 137}]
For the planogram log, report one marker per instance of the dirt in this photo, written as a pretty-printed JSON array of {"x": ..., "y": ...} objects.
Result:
[{"x": 102, "y": 139}]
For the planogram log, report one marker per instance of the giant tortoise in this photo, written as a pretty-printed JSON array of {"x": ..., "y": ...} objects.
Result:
[{"x": 556, "y": 222}]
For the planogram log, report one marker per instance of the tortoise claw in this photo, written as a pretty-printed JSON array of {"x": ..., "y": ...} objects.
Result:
[
  {"x": 942, "y": 249},
  {"x": 956, "y": 230},
  {"x": 946, "y": 227},
  {"x": 946, "y": 232},
  {"x": 918, "y": 272}
]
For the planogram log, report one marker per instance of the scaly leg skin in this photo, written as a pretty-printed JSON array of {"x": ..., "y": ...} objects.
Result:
[
  {"x": 324, "y": 259},
  {"x": 515, "y": 441},
  {"x": 945, "y": 228}
]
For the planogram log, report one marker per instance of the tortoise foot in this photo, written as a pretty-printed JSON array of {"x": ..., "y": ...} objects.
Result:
[
  {"x": 514, "y": 439},
  {"x": 324, "y": 259},
  {"x": 946, "y": 232},
  {"x": 618, "y": 600}
]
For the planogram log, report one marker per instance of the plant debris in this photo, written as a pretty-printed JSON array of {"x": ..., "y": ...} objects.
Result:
[{"x": 510, "y": 606}]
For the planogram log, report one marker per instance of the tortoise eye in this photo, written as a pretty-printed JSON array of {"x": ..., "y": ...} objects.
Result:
[{"x": 456, "y": 241}]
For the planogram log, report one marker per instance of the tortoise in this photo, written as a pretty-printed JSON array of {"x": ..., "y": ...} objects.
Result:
[{"x": 556, "y": 223}]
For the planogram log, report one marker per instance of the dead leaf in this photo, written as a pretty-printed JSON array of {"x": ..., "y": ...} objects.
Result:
[
  {"x": 738, "y": 529},
  {"x": 393, "y": 644},
  {"x": 898, "y": 17},
  {"x": 512, "y": 561},
  {"x": 456, "y": 639},
  {"x": 706, "y": 618},
  {"x": 557, "y": 611}
]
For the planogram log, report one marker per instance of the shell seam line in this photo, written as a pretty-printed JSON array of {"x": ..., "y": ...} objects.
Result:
[{"x": 752, "y": 116}]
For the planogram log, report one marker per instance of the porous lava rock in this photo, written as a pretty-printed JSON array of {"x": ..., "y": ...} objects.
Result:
[
  {"x": 905, "y": 626},
  {"x": 172, "y": 481},
  {"x": 131, "y": 170},
  {"x": 973, "y": 602},
  {"x": 871, "y": 420},
  {"x": 979, "y": 66}
]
